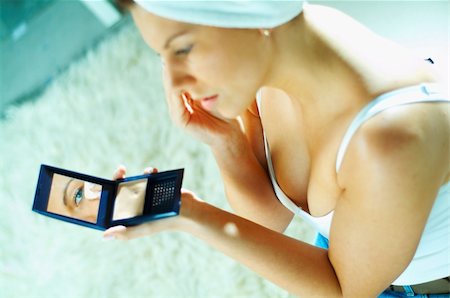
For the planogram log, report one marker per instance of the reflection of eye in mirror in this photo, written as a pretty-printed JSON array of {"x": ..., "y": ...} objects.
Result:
[
  {"x": 130, "y": 199},
  {"x": 74, "y": 198}
]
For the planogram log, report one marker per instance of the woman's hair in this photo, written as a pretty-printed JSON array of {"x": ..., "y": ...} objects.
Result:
[
  {"x": 226, "y": 14},
  {"x": 124, "y": 5}
]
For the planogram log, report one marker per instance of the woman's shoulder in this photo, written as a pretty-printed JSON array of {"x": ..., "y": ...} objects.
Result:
[
  {"x": 418, "y": 122},
  {"x": 414, "y": 133}
]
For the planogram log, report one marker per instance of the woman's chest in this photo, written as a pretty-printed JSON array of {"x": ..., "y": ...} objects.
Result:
[
  {"x": 305, "y": 173},
  {"x": 309, "y": 180}
]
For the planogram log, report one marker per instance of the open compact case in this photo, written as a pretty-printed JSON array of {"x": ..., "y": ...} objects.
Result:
[{"x": 100, "y": 203}]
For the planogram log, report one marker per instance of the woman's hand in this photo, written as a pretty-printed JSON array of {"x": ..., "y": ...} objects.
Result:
[
  {"x": 122, "y": 170},
  {"x": 153, "y": 227},
  {"x": 175, "y": 223},
  {"x": 202, "y": 125}
]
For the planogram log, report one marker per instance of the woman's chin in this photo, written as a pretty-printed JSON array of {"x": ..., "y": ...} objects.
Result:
[{"x": 227, "y": 115}]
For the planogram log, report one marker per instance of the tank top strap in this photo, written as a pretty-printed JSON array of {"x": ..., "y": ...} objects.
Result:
[
  {"x": 278, "y": 191},
  {"x": 258, "y": 99},
  {"x": 426, "y": 92}
]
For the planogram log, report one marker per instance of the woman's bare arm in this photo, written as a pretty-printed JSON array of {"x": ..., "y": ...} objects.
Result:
[
  {"x": 391, "y": 179},
  {"x": 391, "y": 176}
]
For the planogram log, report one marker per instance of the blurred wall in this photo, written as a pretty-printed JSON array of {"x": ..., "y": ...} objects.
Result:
[
  {"x": 39, "y": 39},
  {"x": 419, "y": 25}
]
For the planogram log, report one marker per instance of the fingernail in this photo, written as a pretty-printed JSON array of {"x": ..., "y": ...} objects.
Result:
[
  {"x": 109, "y": 237},
  {"x": 119, "y": 228}
]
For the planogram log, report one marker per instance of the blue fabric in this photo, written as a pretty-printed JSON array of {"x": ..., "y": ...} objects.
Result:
[
  {"x": 227, "y": 14},
  {"x": 322, "y": 242},
  {"x": 390, "y": 294}
]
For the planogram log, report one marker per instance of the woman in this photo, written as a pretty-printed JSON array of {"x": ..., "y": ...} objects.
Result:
[{"x": 347, "y": 131}]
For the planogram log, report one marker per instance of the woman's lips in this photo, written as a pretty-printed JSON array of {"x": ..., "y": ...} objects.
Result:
[{"x": 208, "y": 102}]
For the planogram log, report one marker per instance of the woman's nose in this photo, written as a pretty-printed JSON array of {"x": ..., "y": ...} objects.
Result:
[{"x": 177, "y": 76}]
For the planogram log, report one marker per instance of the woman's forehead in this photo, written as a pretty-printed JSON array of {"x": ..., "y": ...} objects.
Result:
[{"x": 155, "y": 29}]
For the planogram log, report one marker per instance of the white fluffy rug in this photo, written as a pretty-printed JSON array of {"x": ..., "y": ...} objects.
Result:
[{"x": 105, "y": 110}]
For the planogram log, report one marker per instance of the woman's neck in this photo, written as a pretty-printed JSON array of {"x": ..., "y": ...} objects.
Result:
[
  {"x": 330, "y": 65},
  {"x": 318, "y": 81}
]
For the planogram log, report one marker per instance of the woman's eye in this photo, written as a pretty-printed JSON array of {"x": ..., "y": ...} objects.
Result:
[
  {"x": 135, "y": 190},
  {"x": 78, "y": 196},
  {"x": 184, "y": 51}
]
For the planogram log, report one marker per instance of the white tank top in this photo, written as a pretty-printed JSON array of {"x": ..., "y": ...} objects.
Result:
[{"x": 432, "y": 258}]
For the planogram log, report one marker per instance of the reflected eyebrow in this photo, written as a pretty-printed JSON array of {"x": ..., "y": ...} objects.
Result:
[
  {"x": 65, "y": 192},
  {"x": 170, "y": 39}
]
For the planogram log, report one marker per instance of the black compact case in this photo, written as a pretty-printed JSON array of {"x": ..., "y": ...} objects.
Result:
[{"x": 63, "y": 195}]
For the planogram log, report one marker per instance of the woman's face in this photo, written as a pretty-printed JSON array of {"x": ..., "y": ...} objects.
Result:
[{"x": 220, "y": 68}]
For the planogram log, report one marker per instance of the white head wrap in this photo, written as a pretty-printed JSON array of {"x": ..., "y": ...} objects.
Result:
[{"x": 227, "y": 14}]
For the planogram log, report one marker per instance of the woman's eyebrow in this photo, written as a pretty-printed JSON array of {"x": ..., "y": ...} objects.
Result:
[{"x": 170, "y": 39}]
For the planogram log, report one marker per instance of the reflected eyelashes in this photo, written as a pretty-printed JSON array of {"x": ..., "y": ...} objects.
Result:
[
  {"x": 73, "y": 193},
  {"x": 78, "y": 196}
]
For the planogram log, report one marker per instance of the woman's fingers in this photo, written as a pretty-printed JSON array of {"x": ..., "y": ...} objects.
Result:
[
  {"x": 120, "y": 172},
  {"x": 179, "y": 108},
  {"x": 149, "y": 228},
  {"x": 128, "y": 233},
  {"x": 150, "y": 170},
  {"x": 176, "y": 103},
  {"x": 187, "y": 102},
  {"x": 114, "y": 232}
]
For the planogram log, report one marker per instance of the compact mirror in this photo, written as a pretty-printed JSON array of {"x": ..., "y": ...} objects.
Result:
[{"x": 100, "y": 203}]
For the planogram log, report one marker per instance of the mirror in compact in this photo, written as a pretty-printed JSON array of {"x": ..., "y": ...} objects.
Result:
[
  {"x": 100, "y": 203},
  {"x": 74, "y": 198},
  {"x": 130, "y": 199}
]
